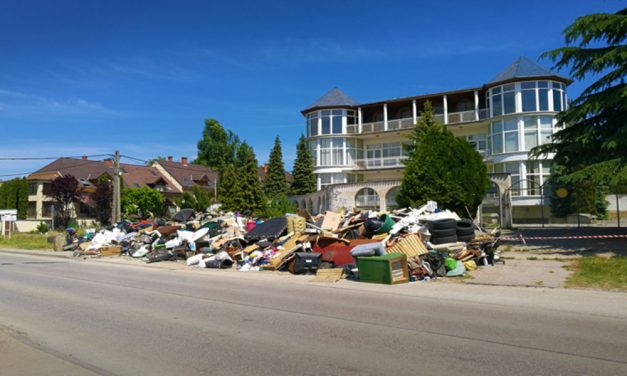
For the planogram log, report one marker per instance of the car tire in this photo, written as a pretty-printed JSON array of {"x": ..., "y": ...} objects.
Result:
[
  {"x": 443, "y": 239},
  {"x": 439, "y": 233},
  {"x": 443, "y": 224},
  {"x": 466, "y": 238}
]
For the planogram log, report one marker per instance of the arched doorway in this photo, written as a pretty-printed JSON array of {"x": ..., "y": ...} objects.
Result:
[
  {"x": 367, "y": 198},
  {"x": 390, "y": 198}
]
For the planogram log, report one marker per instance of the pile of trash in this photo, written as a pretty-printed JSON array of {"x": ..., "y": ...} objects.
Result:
[{"x": 396, "y": 247}]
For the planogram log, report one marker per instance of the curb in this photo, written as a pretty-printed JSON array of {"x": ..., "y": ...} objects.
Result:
[{"x": 35, "y": 253}]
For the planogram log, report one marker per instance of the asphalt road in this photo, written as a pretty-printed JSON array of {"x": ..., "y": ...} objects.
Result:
[
  {"x": 111, "y": 319},
  {"x": 573, "y": 240}
]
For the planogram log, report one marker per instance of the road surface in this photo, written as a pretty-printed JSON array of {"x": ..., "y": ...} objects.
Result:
[{"x": 93, "y": 317}]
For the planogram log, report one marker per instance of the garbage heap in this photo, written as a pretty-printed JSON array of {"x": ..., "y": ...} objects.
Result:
[{"x": 393, "y": 247}]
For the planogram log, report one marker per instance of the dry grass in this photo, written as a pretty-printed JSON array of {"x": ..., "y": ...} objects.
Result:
[{"x": 599, "y": 272}]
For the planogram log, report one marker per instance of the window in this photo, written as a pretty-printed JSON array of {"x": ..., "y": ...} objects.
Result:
[
  {"x": 336, "y": 121},
  {"x": 559, "y": 97},
  {"x": 312, "y": 124},
  {"x": 32, "y": 188},
  {"x": 367, "y": 198},
  {"x": 546, "y": 129},
  {"x": 478, "y": 142},
  {"x": 510, "y": 133},
  {"x": 331, "y": 152},
  {"x": 390, "y": 198},
  {"x": 543, "y": 95},
  {"x": 528, "y": 95},
  {"x": 328, "y": 179},
  {"x": 538, "y": 173},
  {"x": 384, "y": 155},
  {"x": 530, "y": 124},
  {"x": 326, "y": 122},
  {"x": 355, "y": 151},
  {"x": 496, "y": 137}
]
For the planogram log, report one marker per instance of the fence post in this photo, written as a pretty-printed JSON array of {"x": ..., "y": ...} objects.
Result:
[{"x": 617, "y": 210}]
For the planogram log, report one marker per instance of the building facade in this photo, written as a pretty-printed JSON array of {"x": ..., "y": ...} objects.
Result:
[{"x": 358, "y": 144}]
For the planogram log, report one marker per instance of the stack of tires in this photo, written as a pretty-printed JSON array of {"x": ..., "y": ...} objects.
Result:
[
  {"x": 465, "y": 230},
  {"x": 443, "y": 231}
]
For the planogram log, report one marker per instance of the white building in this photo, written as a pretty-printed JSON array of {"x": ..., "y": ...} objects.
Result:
[{"x": 359, "y": 145}]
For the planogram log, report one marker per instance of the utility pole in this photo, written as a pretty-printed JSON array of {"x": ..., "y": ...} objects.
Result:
[{"x": 116, "y": 208}]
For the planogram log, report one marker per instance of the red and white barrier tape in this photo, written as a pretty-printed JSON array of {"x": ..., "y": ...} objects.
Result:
[{"x": 524, "y": 239}]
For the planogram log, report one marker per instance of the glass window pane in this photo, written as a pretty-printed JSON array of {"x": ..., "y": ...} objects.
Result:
[
  {"x": 497, "y": 144},
  {"x": 546, "y": 167},
  {"x": 509, "y": 103},
  {"x": 531, "y": 140},
  {"x": 530, "y": 122},
  {"x": 527, "y": 85},
  {"x": 497, "y": 127},
  {"x": 546, "y": 122},
  {"x": 512, "y": 167},
  {"x": 544, "y": 99},
  {"x": 557, "y": 100},
  {"x": 545, "y": 136},
  {"x": 543, "y": 83},
  {"x": 337, "y": 112},
  {"x": 557, "y": 85},
  {"x": 326, "y": 125},
  {"x": 337, "y": 125},
  {"x": 496, "y": 105},
  {"x": 508, "y": 87},
  {"x": 511, "y": 141},
  {"x": 511, "y": 124},
  {"x": 496, "y": 90},
  {"x": 529, "y": 100}
]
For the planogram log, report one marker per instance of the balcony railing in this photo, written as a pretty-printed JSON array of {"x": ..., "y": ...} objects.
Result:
[
  {"x": 408, "y": 123},
  {"x": 376, "y": 163}
]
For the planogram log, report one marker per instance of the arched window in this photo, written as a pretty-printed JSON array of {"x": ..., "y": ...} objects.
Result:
[
  {"x": 367, "y": 198},
  {"x": 390, "y": 198}
]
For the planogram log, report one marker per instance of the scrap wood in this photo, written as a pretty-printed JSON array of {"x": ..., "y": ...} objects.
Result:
[
  {"x": 288, "y": 248},
  {"x": 411, "y": 245},
  {"x": 328, "y": 275}
]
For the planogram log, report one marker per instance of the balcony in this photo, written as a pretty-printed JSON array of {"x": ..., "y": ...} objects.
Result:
[
  {"x": 378, "y": 163},
  {"x": 408, "y": 123}
]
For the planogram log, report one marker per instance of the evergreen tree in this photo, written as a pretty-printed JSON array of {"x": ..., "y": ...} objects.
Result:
[
  {"x": 275, "y": 183},
  {"x": 593, "y": 144},
  {"x": 103, "y": 197},
  {"x": 250, "y": 192},
  {"x": 229, "y": 189},
  {"x": 14, "y": 195},
  {"x": 442, "y": 168},
  {"x": 218, "y": 146},
  {"x": 303, "y": 178}
]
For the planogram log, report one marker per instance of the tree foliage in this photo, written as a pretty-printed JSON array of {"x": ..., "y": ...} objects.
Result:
[
  {"x": 14, "y": 195},
  {"x": 64, "y": 190},
  {"x": 250, "y": 194},
  {"x": 275, "y": 182},
  {"x": 198, "y": 199},
  {"x": 218, "y": 146},
  {"x": 229, "y": 189},
  {"x": 103, "y": 197},
  {"x": 583, "y": 197},
  {"x": 144, "y": 202},
  {"x": 442, "y": 168},
  {"x": 303, "y": 178},
  {"x": 278, "y": 207},
  {"x": 593, "y": 144}
]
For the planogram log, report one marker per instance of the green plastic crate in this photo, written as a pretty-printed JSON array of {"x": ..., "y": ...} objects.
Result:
[{"x": 390, "y": 269}]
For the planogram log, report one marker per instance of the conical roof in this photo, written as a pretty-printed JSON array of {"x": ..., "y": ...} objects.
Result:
[
  {"x": 333, "y": 98},
  {"x": 521, "y": 68}
]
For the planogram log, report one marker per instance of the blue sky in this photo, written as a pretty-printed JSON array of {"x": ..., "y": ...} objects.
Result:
[{"x": 88, "y": 77}]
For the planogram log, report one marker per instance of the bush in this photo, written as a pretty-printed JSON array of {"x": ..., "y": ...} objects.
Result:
[
  {"x": 42, "y": 228},
  {"x": 278, "y": 207}
]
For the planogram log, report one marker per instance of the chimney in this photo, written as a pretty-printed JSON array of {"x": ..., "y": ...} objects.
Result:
[
  {"x": 84, "y": 157},
  {"x": 109, "y": 162},
  {"x": 170, "y": 159},
  {"x": 184, "y": 161}
]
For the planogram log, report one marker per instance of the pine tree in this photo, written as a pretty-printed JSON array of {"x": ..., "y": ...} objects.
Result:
[
  {"x": 593, "y": 145},
  {"x": 303, "y": 178},
  {"x": 250, "y": 193},
  {"x": 275, "y": 182},
  {"x": 229, "y": 189},
  {"x": 218, "y": 146},
  {"x": 442, "y": 168}
]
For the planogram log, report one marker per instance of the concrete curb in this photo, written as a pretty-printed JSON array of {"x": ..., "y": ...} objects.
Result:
[{"x": 65, "y": 255}]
